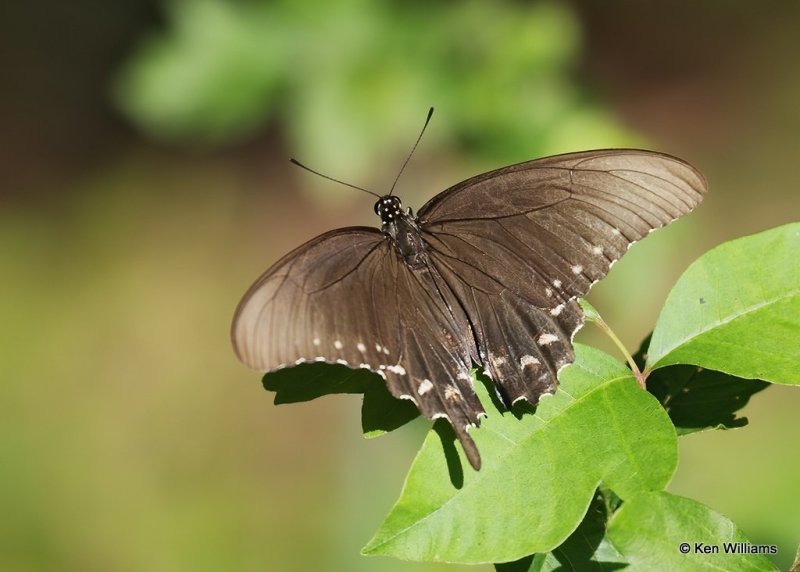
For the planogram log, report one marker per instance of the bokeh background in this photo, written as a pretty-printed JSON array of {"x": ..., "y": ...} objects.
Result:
[{"x": 144, "y": 184}]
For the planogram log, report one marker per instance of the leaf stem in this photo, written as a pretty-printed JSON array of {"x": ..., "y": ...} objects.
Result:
[{"x": 594, "y": 316}]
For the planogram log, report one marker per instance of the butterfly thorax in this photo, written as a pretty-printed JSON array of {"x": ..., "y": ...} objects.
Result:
[{"x": 402, "y": 228}]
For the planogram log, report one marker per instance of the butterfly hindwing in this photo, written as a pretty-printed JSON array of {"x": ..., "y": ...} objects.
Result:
[{"x": 521, "y": 347}]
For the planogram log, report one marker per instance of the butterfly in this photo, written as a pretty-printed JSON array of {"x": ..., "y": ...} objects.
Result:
[{"x": 486, "y": 272}]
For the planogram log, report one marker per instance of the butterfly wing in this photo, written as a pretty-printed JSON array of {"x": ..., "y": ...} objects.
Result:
[
  {"x": 544, "y": 232},
  {"x": 347, "y": 297}
]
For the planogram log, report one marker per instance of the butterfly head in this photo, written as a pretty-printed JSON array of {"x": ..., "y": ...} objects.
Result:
[{"x": 389, "y": 208}]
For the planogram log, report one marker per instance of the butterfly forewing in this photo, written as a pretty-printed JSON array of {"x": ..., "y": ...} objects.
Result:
[
  {"x": 545, "y": 232},
  {"x": 560, "y": 220},
  {"x": 298, "y": 310}
]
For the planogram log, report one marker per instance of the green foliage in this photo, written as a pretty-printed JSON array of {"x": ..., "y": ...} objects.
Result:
[
  {"x": 646, "y": 534},
  {"x": 353, "y": 72},
  {"x": 650, "y": 528},
  {"x": 578, "y": 482},
  {"x": 599, "y": 415},
  {"x": 737, "y": 310}
]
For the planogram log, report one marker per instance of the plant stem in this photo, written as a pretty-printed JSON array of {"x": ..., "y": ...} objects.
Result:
[{"x": 593, "y": 315}]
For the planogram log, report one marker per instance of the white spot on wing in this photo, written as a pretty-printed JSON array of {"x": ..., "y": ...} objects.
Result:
[
  {"x": 557, "y": 283},
  {"x": 386, "y": 350},
  {"x": 361, "y": 347},
  {"x": 557, "y": 310},
  {"x": 414, "y": 401},
  {"x": 527, "y": 360},
  {"x": 577, "y": 269},
  {"x": 615, "y": 231},
  {"x": 549, "y": 292},
  {"x": 425, "y": 386},
  {"x": 546, "y": 338},
  {"x": 452, "y": 393},
  {"x": 398, "y": 369},
  {"x": 342, "y": 361},
  {"x": 337, "y": 344},
  {"x": 316, "y": 341},
  {"x": 377, "y": 347},
  {"x": 598, "y": 250},
  {"x": 299, "y": 361},
  {"x": 464, "y": 376}
]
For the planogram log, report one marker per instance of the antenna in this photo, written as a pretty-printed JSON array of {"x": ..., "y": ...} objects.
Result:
[
  {"x": 299, "y": 164},
  {"x": 397, "y": 178}
]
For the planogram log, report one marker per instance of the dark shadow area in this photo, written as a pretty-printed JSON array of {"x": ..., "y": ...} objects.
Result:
[
  {"x": 491, "y": 389},
  {"x": 696, "y": 399},
  {"x": 448, "y": 438},
  {"x": 308, "y": 381},
  {"x": 382, "y": 412},
  {"x": 522, "y": 565}
]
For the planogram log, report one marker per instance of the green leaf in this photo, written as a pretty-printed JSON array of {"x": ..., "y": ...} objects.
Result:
[
  {"x": 540, "y": 470},
  {"x": 646, "y": 534},
  {"x": 737, "y": 310},
  {"x": 649, "y": 529}
]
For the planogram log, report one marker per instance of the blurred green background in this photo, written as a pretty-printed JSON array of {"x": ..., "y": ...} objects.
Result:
[{"x": 144, "y": 184}]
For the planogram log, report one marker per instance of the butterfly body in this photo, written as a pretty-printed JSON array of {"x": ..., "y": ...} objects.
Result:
[
  {"x": 402, "y": 228},
  {"x": 488, "y": 271}
]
